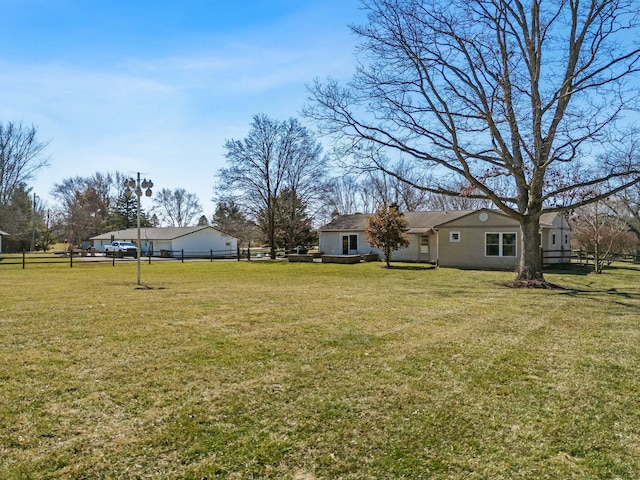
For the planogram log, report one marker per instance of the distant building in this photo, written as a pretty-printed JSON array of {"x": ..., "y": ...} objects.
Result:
[{"x": 200, "y": 241}]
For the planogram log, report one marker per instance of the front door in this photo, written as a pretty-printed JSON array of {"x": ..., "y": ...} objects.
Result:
[
  {"x": 424, "y": 248},
  {"x": 345, "y": 245}
]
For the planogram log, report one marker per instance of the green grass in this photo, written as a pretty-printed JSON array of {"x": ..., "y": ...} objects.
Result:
[{"x": 308, "y": 371}]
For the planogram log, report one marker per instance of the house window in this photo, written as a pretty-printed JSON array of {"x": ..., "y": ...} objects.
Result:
[
  {"x": 454, "y": 236},
  {"x": 353, "y": 242},
  {"x": 566, "y": 239},
  {"x": 424, "y": 244},
  {"x": 553, "y": 239},
  {"x": 500, "y": 245}
]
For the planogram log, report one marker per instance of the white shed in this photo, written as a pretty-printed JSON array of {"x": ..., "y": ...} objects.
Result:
[
  {"x": 2, "y": 234},
  {"x": 201, "y": 241}
]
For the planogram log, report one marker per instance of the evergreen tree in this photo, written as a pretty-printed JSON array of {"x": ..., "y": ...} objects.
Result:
[
  {"x": 123, "y": 214},
  {"x": 293, "y": 223},
  {"x": 16, "y": 218},
  {"x": 229, "y": 218}
]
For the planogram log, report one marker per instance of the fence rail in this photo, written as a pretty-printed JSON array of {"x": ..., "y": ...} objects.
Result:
[
  {"x": 87, "y": 257},
  {"x": 556, "y": 257},
  {"x": 581, "y": 257}
]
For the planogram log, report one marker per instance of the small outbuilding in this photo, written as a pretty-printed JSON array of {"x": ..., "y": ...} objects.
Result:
[
  {"x": 200, "y": 241},
  {"x": 2, "y": 234},
  {"x": 484, "y": 238}
]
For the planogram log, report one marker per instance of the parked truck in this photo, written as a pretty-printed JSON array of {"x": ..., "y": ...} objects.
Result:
[{"x": 121, "y": 249}]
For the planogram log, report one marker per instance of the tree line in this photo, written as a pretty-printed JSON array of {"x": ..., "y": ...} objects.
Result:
[
  {"x": 276, "y": 189},
  {"x": 280, "y": 206}
]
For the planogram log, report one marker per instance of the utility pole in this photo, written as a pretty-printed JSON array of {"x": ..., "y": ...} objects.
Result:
[{"x": 33, "y": 224}]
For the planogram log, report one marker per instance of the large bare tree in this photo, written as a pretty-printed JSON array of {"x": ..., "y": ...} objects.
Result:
[
  {"x": 488, "y": 90},
  {"x": 276, "y": 156},
  {"x": 21, "y": 155}
]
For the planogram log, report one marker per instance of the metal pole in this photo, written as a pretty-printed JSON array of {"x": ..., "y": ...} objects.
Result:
[
  {"x": 138, "y": 194},
  {"x": 33, "y": 224}
]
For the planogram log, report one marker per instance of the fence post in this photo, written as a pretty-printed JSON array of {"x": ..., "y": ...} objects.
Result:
[
  {"x": 182, "y": 255},
  {"x": 71, "y": 258},
  {"x": 24, "y": 258},
  {"x": 211, "y": 253}
]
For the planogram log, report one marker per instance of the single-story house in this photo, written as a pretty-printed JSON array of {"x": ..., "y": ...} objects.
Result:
[
  {"x": 201, "y": 241},
  {"x": 483, "y": 238},
  {"x": 2, "y": 234}
]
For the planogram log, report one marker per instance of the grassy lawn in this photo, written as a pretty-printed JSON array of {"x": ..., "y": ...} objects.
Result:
[{"x": 316, "y": 371}]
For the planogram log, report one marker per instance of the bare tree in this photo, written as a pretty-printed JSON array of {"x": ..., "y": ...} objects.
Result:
[
  {"x": 373, "y": 187},
  {"x": 466, "y": 200},
  {"x": 627, "y": 207},
  {"x": 176, "y": 208},
  {"x": 487, "y": 89},
  {"x": 601, "y": 233},
  {"x": 390, "y": 190},
  {"x": 275, "y": 156},
  {"x": 85, "y": 203},
  {"x": 342, "y": 198},
  {"x": 21, "y": 155}
]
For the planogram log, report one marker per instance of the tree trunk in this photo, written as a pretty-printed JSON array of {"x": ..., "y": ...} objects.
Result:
[
  {"x": 530, "y": 267},
  {"x": 271, "y": 218},
  {"x": 597, "y": 261}
]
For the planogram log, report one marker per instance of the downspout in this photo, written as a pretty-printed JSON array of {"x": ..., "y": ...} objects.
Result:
[
  {"x": 437, "y": 247},
  {"x": 562, "y": 240}
]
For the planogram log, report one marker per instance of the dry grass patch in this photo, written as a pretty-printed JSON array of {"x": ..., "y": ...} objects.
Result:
[{"x": 279, "y": 370}]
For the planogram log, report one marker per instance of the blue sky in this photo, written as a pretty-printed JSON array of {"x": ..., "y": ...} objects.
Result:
[{"x": 157, "y": 86}]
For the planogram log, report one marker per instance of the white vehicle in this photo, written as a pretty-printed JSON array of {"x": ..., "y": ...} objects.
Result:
[{"x": 121, "y": 249}]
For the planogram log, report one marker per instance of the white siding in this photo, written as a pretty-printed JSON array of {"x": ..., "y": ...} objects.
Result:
[{"x": 204, "y": 241}]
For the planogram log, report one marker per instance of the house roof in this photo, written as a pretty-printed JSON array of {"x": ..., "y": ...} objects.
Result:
[
  {"x": 418, "y": 222},
  {"x": 2, "y": 233},
  {"x": 546, "y": 219},
  {"x": 154, "y": 233}
]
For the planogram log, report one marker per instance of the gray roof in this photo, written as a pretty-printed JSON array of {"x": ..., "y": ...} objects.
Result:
[
  {"x": 546, "y": 219},
  {"x": 417, "y": 222},
  {"x": 154, "y": 233},
  {"x": 3, "y": 233}
]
